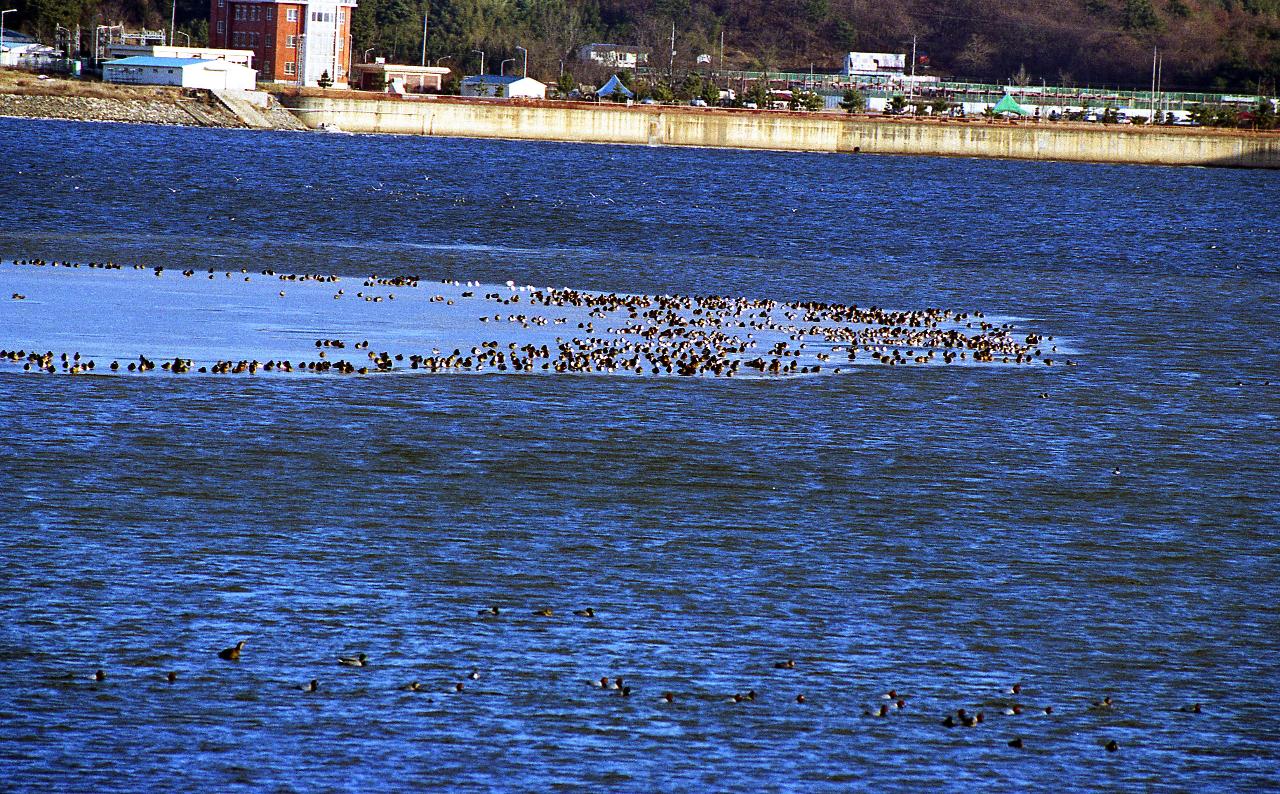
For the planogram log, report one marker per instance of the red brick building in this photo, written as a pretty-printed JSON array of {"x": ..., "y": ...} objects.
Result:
[{"x": 292, "y": 41}]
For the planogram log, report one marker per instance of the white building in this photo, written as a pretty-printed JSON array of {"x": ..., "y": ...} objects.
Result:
[
  {"x": 503, "y": 87},
  {"x": 614, "y": 56},
  {"x": 184, "y": 72},
  {"x": 865, "y": 63},
  {"x": 242, "y": 57}
]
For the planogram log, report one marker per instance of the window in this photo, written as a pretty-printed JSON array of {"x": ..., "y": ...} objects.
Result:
[
  {"x": 266, "y": 67},
  {"x": 270, "y": 13},
  {"x": 291, "y": 15},
  {"x": 290, "y": 67},
  {"x": 291, "y": 42},
  {"x": 271, "y": 40},
  {"x": 221, "y": 3},
  {"x": 222, "y": 26}
]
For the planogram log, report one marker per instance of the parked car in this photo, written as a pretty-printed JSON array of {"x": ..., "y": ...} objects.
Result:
[{"x": 697, "y": 102}]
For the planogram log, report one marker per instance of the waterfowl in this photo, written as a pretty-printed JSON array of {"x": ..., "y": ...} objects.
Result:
[
  {"x": 1112, "y": 746},
  {"x": 1103, "y": 705},
  {"x": 603, "y": 683},
  {"x": 669, "y": 697},
  {"x": 359, "y": 660},
  {"x": 1193, "y": 708},
  {"x": 1016, "y": 743},
  {"x": 545, "y": 612},
  {"x": 1016, "y": 689},
  {"x": 232, "y": 653},
  {"x": 474, "y": 675},
  {"x": 312, "y": 686},
  {"x": 171, "y": 676},
  {"x": 789, "y": 664},
  {"x": 100, "y": 675},
  {"x": 413, "y": 686},
  {"x": 458, "y": 687},
  {"x": 1013, "y": 710},
  {"x": 799, "y": 698},
  {"x": 589, "y": 612}
]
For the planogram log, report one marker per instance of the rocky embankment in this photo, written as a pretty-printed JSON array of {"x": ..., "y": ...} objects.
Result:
[{"x": 162, "y": 107}]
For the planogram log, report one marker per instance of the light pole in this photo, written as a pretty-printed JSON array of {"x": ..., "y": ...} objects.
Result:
[
  {"x": 2, "y": 13},
  {"x": 481, "y": 60},
  {"x": 173, "y": 19},
  {"x": 525, "y": 69},
  {"x": 182, "y": 33},
  {"x": 365, "y": 58},
  {"x": 424, "y": 36},
  {"x": 503, "y": 66},
  {"x": 443, "y": 58}
]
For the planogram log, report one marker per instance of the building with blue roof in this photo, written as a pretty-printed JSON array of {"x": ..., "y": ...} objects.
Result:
[{"x": 212, "y": 74}]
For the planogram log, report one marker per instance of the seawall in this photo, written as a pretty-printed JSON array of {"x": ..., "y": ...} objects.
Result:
[{"x": 819, "y": 132}]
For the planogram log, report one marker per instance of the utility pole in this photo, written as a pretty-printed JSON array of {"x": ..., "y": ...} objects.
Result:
[
  {"x": 173, "y": 19},
  {"x": 1152, "y": 103},
  {"x": 481, "y": 60},
  {"x": 425, "y": 14},
  {"x": 671, "y": 62},
  {"x": 911, "y": 92}
]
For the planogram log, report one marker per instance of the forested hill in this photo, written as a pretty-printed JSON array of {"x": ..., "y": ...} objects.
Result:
[{"x": 1225, "y": 44}]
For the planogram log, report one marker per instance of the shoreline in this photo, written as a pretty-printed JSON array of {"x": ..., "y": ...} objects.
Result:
[{"x": 579, "y": 122}]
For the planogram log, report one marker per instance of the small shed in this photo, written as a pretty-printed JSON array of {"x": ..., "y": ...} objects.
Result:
[
  {"x": 381, "y": 76},
  {"x": 185, "y": 72},
  {"x": 503, "y": 86}
]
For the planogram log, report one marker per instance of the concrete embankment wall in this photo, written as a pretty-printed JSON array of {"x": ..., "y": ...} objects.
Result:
[{"x": 646, "y": 125}]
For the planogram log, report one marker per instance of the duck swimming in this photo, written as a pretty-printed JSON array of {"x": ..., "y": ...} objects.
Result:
[
  {"x": 232, "y": 653},
  {"x": 359, "y": 660}
]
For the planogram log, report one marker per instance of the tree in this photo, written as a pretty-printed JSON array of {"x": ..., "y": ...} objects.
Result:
[
  {"x": 565, "y": 85},
  {"x": 811, "y": 101},
  {"x": 898, "y": 104},
  {"x": 760, "y": 94},
  {"x": 325, "y": 80},
  {"x": 939, "y": 106},
  {"x": 853, "y": 101},
  {"x": 1264, "y": 115},
  {"x": 710, "y": 92}
]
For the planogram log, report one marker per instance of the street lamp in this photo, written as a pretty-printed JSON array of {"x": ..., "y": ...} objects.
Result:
[
  {"x": 182, "y": 33},
  {"x": 481, "y": 60},
  {"x": 502, "y": 66},
  {"x": 443, "y": 58},
  {"x": 2, "y": 13},
  {"x": 525, "y": 69},
  {"x": 365, "y": 58}
]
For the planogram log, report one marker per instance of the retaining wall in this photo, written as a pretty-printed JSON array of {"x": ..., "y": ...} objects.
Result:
[{"x": 664, "y": 126}]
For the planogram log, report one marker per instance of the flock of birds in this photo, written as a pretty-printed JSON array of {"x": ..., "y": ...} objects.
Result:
[
  {"x": 625, "y": 334},
  {"x": 1009, "y": 701}
]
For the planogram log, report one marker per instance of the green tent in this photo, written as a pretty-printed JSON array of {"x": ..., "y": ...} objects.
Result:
[{"x": 1008, "y": 105}]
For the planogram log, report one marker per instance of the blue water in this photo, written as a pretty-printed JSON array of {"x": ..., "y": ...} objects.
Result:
[{"x": 941, "y": 532}]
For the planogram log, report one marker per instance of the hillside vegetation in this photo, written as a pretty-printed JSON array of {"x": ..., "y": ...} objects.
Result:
[{"x": 1218, "y": 44}]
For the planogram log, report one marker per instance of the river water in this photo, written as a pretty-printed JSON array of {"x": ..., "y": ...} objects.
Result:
[{"x": 1104, "y": 529}]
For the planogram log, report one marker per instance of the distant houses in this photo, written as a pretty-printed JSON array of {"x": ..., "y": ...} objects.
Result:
[
  {"x": 875, "y": 63},
  {"x": 614, "y": 56}
]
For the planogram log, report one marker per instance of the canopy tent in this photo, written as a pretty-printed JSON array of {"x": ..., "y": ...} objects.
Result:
[
  {"x": 1009, "y": 105},
  {"x": 615, "y": 86}
]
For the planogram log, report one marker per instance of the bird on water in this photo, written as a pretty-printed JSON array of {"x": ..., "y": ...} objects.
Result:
[
  {"x": 359, "y": 660},
  {"x": 232, "y": 653}
]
